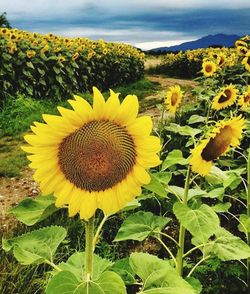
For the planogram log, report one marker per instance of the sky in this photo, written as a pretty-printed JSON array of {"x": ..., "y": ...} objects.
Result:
[{"x": 145, "y": 24}]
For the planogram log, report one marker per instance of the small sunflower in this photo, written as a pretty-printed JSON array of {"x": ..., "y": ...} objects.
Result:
[
  {"x": 242, "y": 50},
  {"x": 225, "y": 98},
  {"x": 93, "y": 157},
  {"x": 208, "y": 68},
  {"x": 244, "y": 100},
  {"x": 226, "y": 134},
  {"x": 30, "y": 53},
  {"x": 173, "y": 98},
  {"x": 246, "y": 61}
]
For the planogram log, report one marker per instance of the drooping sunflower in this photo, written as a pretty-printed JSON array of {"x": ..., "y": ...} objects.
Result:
[
  {"x": 225, "y": 98},
  {"x": 173, "y": 98},
  {"x": 93, "y": 157},
  {"x": 246, "y": 61},
  {"x": 241, "y": 50},
  {"x": 244, "y": 100},
  {"x": 225, "y": 134},
  {"x": 208, "y": 68}
]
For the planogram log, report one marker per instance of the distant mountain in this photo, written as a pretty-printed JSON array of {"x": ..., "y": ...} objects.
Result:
[{"x": 204, "y": 42}]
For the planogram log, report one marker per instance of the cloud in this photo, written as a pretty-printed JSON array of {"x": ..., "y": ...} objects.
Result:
[{"x": 131, "y": 21}]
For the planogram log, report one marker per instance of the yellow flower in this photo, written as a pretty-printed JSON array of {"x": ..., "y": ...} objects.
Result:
[
  {"x": 91, "y": 54},
  {"x": 60, "y": 59},
  {"x": 173, "y": 98},
  {"x": 226, "y": 134},
  {"x": 242, "y": 50},
  {"x": 225, "y": 98},
  {"x": 75, "y": 56},
  {"x": 244, "y": 100},
  {"x": 208, "y": 68},
  {"x": 246, "y": 61},
  {"x": 240, "y": 43},
  {"x": 93, "y": 157},
  {"x": 45, "y": 49},
  {"x": 30, "y": 53},
  {"x": 221, "y": 59}
]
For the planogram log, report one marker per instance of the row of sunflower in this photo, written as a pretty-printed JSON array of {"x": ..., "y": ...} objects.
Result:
[
  {"x": 51, "y": 66},
  {"x": 188, "y": 63}
]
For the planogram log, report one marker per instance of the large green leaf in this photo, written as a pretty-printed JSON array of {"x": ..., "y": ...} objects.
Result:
[
  {"x": 183, "y": 130},
  {"x": 31, "y": 211},
  {"x": 124, "y": 270},
  {"x": 201, "y": 223},
  {"x": 174, "y": 157},
  {"x": 156, "y": 186},
  {"x": 244, "y": 226},
  {"x": 76, "y": 265},
  {"x": 37, "y": 246},
  {"x": 157, "y": 274},
  {"x": 216, "y": 176},
  {"x": 65, "y": 282},
  {"x": 141, "y": 225},
  {"x": 228, "y": 247},
  {"x": 196, "y": 119},
  {"x": 179, "y": 191}
]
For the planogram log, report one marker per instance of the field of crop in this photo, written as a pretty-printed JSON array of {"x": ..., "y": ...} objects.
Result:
[{"x": 142, "y": 189}]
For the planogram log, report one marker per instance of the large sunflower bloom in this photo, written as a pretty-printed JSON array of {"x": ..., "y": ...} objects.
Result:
[
  {"x": 96, "y": 157},
  {"x": 244, "y": 100},
  {"x": 208, "y": 68},
  {"x": 225, "y": 134},
  {"x": 225, "y": 98},
  {"x": 173, "y": 98}
]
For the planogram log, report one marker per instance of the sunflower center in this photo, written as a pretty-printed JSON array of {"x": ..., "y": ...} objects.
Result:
[
  {"x": 247, "y": 98},
  {"x": 227, "y": 94},
  {"x": 208, "y": 68},
  {"x": 217, "y": 145},
  {"x": 174, "y": 99},
  {"x": 97, "y": 156}
]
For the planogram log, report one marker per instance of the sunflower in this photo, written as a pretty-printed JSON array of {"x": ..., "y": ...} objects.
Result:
[
  {"x": 246, "y": 61},
  {"x": 225, "y": 98},
  {"x": 242, "y": 50},
  {"x": 208, "y": 68},
  {"x": 225, "y": 134},
  {"x": 173, "y": 98},
  {"x": 96, "y": 157},
  {"x": 244, "y": 100},
  {"x": 30, "y": 53},
  {"x": 221, "y": 59}
]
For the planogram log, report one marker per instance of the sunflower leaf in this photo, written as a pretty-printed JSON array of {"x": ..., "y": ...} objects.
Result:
[
  {"x": 227, "y": 246},
  {"x": 157, "y": 275},
  {"x": 124, "y": 270},
  {"x": 183, "y": 130},
  {"x": 141, "y": 225},
  {"x": 31, "y": 211},
  {"x": 174, "y": 157},
  {"x": 156, "y": 185},
  {"x": 66, "y": 282},
  {"x": 201, "y": 223},
  {"x": 76, "y": 265},
  {"x": 37, "y": 246}
]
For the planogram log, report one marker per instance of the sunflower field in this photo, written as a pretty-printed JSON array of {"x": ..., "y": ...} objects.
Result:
[
  {"x": 128, "y": 206},
  {"x": 50, "y": 67},
  {"x": 188, "y": 64}
]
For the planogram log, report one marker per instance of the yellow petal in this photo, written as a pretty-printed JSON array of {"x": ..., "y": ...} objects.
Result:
[
  {"x": 82, "y": 108},
  {"x": 141, "y": 175},
  {"x": 88, "y": 206},
  {"x": 148, "y": 143},
  {"x": 142, "y": 126},
  {"x": 70, "y": 116},
  {"x": 112, "y": 106},
  {"x": 63, "y": 194},
  {"x": 148, "y": 162},
  {"x": 108, "y": 202},
  {"x": 75, "y": 202},
  {"x": 98, "y": 104},
  {"x": 41, "y": 140},
  {"x": 128, "y": 110}
]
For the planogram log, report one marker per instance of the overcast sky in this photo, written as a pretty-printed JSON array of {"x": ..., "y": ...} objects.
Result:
[{"x": 143, "y": 23}]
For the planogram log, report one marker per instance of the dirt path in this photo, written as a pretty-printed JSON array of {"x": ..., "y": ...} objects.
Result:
[{"x": 13, "y": 190}]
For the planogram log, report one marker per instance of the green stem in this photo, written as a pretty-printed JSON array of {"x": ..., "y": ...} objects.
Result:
[
  {"x": 51, "y": 263},
  {"x": 97, "y": 234},
  {"x": 167, "y": 236},
  {"x": 197, "y": 247},
  {"x": 197, "y": 264},
  {"x": 180, "y": 251},
  {"x": 168, "y": 250},
  {"x": 89, "y": 247},
  {"x": 248, "y": 215}
]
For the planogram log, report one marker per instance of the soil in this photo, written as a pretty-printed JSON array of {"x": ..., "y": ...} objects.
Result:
[{"x": 13, "y": 190}]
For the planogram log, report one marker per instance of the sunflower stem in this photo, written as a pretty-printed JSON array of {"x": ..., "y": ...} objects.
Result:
[
  {"x": 89, "y": 248},
  {"x": 97, "y": 234},
  {"x": 248, "y": 215},
  {"x": 180, "y": 252}
]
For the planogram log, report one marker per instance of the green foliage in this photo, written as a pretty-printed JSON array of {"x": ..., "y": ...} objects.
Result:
[
  {"x": 31, "y": 211},
  {"x": 141, "y": 225},
  {"x": 4, "y": 23},
  {"x": 157, "y": 275},
  {"x": 37, "y": 246}
]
